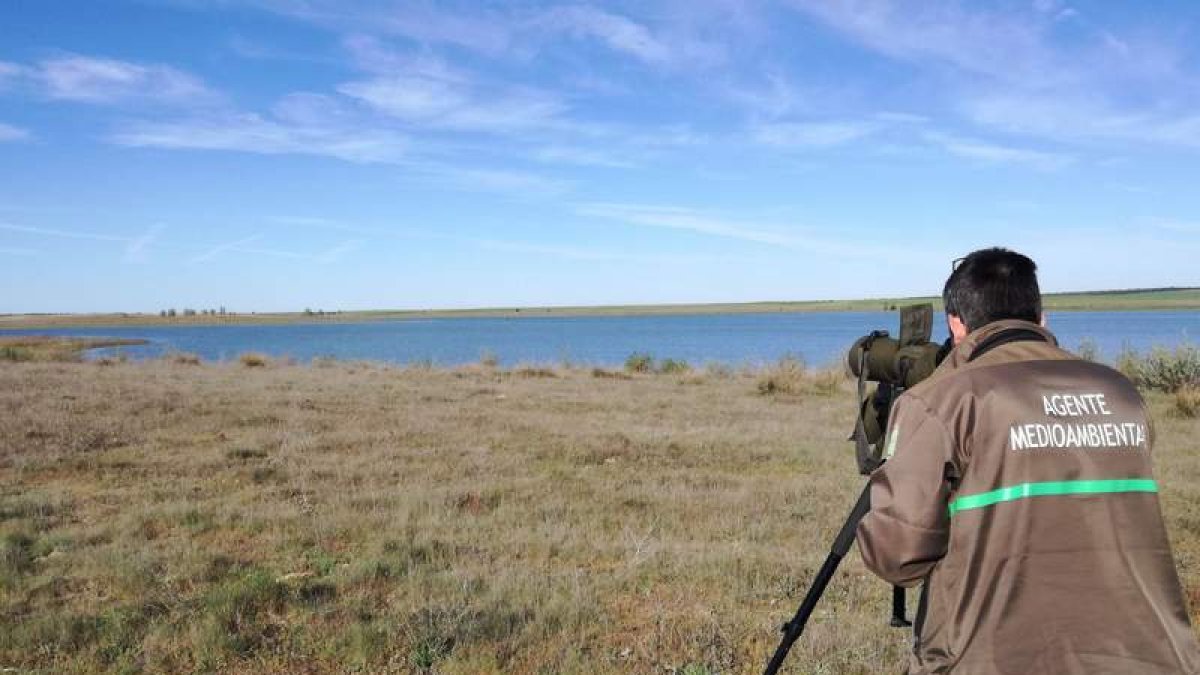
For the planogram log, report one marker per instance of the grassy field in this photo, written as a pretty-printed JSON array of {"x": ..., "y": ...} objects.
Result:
[
  {"x": 1128, "y": 300},
  {"x": 168, "y": 516}
]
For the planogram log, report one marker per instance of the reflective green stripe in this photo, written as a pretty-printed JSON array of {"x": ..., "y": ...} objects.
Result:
[{"x": 1065, "y": 487}]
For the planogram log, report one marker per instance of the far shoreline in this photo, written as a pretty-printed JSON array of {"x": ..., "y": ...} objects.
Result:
[{"x": 1133, "y": 300}]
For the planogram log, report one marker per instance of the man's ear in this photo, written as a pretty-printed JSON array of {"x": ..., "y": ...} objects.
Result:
[{"x": 958, "y": 329}]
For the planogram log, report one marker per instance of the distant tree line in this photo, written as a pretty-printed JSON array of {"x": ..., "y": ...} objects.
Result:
[
  {"x": 187, "y": 311},
  {"x": 171, "y": 313}
]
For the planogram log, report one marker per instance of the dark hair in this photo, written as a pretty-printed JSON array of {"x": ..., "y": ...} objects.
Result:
[{"x": 993, "y": 284}]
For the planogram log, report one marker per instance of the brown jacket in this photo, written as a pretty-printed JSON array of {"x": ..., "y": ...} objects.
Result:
[{"x": 1020, "y": 490}]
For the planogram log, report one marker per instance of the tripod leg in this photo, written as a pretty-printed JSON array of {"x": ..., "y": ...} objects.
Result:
[
  {"x": 841, "y": 546},
  {"x": 898, "y": 609}
]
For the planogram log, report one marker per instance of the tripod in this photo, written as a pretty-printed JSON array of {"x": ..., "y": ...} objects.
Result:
[{"x": 841, "y": 546}]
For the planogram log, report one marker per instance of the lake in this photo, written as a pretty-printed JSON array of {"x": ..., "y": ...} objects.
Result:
[{"x": 820, "y": 338}]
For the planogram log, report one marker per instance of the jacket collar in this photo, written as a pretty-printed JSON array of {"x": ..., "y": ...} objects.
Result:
[{"x": 963, "y": 351}]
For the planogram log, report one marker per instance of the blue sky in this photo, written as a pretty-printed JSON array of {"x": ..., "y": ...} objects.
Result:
[{"x": 282, "y": 154}]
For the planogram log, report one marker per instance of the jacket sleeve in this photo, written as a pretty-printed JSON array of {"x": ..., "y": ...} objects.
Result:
[{"x": 906, "y": 530}]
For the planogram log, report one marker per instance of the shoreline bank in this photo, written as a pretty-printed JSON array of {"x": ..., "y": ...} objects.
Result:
[{"x": 1167, "y": 299}]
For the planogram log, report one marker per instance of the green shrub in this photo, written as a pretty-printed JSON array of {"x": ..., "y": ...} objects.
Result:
[
  {"x": 10, "y": 353},
  {"x": 1170, "y": 371},
  {"x": 1128, "y": 362},
  {"x": 639, "y": 362},
  {"x": 16, "y": 554},
  {"x": 672, "y": 366},
  {"x": 237, "y": 616},
  {"x": 432, "y": 633},
  {"x": 1163, "y": 369}
]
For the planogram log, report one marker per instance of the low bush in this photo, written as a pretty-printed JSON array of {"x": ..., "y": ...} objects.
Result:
[
  {"x": 184, "y": 359},
  {"x": 16, "y": 554},
  {"x": 237, "y": 617},
  {"x": 1170, "y": 371},
  {"x": 718, "y": 370},
  {"x": 252, "y": 360},
  {"x": 828, "y": 382},
  {"x": 605, "y": 374},
  {"x": 14, "y": 353},
  {"x": 639, "y": 362},
  {"x": 244, "y": 453},
  {"x": 1163, "y": 369},
  {"x": 673, "y": 366},
  {"x": 785, "y": 376}
]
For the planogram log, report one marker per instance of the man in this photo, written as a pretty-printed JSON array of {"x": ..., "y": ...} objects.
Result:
[{"x": 1019, "y": 489}]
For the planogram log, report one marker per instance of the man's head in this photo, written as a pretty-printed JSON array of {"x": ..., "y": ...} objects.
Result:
[{"x": 989, "y": 285}]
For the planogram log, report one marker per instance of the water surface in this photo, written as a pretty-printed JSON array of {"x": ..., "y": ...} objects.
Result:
[{"x": 819, "y": 338}]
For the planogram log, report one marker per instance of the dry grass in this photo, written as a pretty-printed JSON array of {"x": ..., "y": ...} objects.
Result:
[
  {"x": 355, "y": 517},
  {"x": 1187, "y": 401}
]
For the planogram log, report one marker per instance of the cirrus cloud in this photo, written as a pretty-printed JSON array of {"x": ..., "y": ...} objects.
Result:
[{"x": 89, "y": 79}]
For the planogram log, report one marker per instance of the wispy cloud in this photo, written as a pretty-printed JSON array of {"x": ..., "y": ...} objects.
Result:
[
  {"x": 1005, "y": 46},
  {"x": 513, "y": 183},
  {"x": 1176, "y": 226},
  {"x": 138, "y": 249},
  {"x": 806, "y": 240},
  {"x": 993, "y": 153},
  {"x": 584, "y": 156},
  {"x": 1015, "y": 71},
  {"x": 255, "y": 134},
  {"x": 583, "y": 254},
  {"x": 617, "y": 32},
  {"x": 22, "y": 252},
  {"x": 681, "y": 218},
  {"x": 770, "y": 99},
  {"x": 442, "y": 103},
  {"x": 262, "y": 50},
  {"x": 482, "y": 30},
  {"x": 813, "y": 134},
  {"x": 90, "y": 79},
  {"x": 513, "y": 30},
  {"x": 214, "y": 251},
  {"x": 1082, "y": 117},
  {"x": 273, "y": 252},
  {"x": 339, "y": 251},
  {"x": 329, "y": 224},
  {"x": 64, "y": 234},
  {"x": 9, "y": 73},
  {"x": 9, "y": 133},
  {"x": 345, "y": 140}
]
